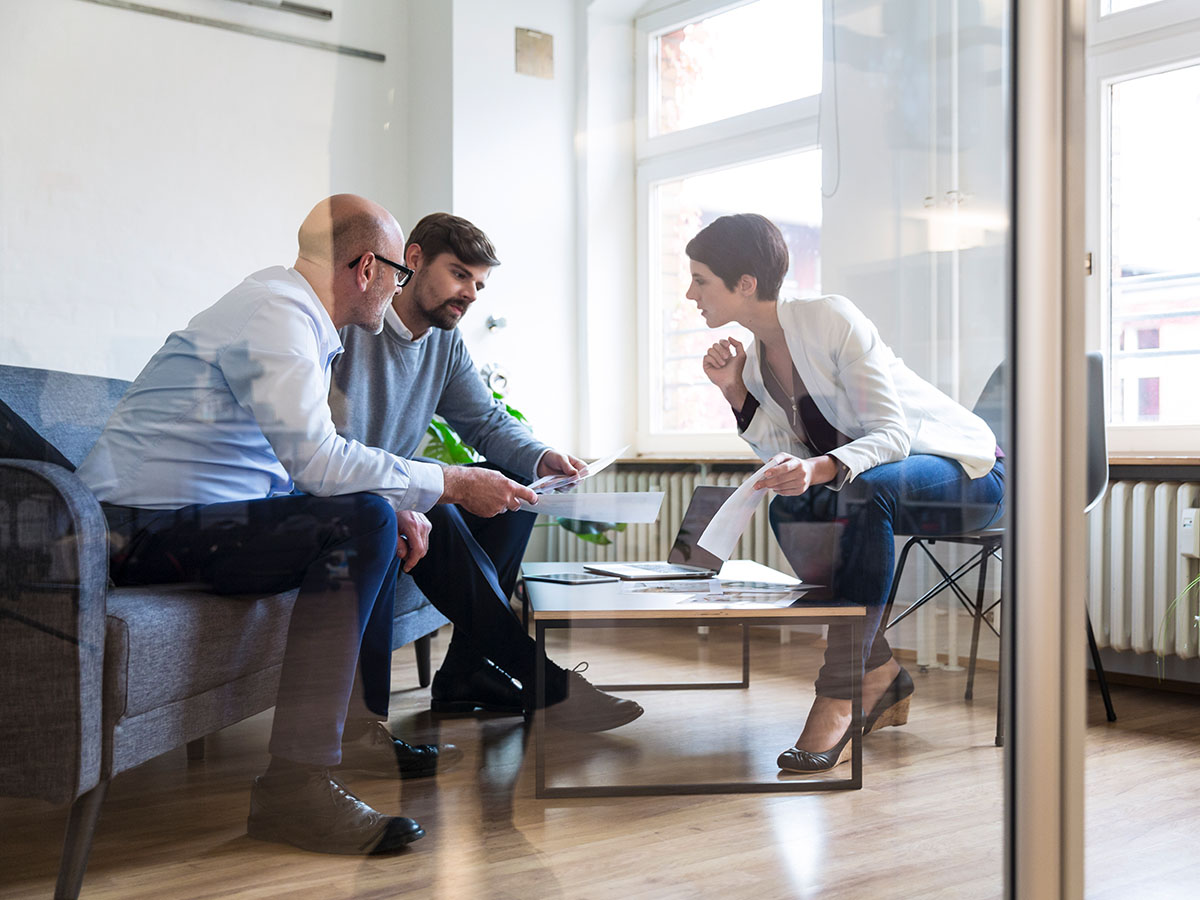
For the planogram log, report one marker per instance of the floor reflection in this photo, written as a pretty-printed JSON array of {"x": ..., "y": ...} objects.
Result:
[{"x": 927, "y": 823}]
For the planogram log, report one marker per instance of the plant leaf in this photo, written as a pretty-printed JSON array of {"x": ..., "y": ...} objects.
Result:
[
  {"x": 446, "y": 446},
  {"x": 592, "y": 532}
]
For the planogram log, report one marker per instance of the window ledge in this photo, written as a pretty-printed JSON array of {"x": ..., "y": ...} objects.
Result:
[
  {"x": 1153, "y": 459},
  {"x": 669, "y": 460}
]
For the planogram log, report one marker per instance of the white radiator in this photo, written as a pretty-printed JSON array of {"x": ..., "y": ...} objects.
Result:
[
  {"x": 653, "y": 541},
  {"x": 1135, "y": 570}
]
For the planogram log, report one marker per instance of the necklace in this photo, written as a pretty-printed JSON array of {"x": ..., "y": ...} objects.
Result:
[{"x": 790, "y": 394}]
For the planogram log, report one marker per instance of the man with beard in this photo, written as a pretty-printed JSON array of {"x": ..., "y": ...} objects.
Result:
[{"x": 386, "y": 389}]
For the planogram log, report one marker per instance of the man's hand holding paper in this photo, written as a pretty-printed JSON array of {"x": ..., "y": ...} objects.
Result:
[
  {"x": 557, "y": 496},
  {"x": 558, "y": 480}
]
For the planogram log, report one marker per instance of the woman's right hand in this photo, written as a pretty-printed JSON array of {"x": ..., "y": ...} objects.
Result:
[{"x": 723, "y": 364}]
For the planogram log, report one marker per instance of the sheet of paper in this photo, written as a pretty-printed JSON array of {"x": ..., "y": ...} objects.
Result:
[
  {"x": 550, "y": 484},
  {"x": 739, "y": 600},
  {"x": 724, "y": 529},
  {"x": 634, "y": 506},
  {"x": 757, "y": 587},
  {"x": 671, "y": 586}
]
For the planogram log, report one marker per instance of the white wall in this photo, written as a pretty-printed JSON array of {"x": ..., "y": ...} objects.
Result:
[
  {"x": 429, "y": 123},
  {"x": 608, "y": 209},
  {"x": 148, "y": 165},
  {"x": 513, "y": 158}
]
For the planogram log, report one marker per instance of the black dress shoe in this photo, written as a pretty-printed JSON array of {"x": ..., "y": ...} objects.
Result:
[
  {"x": 488, "y": 689},
  {"x": 796, "y": 760},
  {"x": 892, "y": 707},
  {"x": 587, "y": 708},
  {"x": 379, "y": 753},
  {"x": 316, "y": 812}
]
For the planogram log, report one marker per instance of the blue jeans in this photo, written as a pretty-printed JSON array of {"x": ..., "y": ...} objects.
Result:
[{"x": 921, "y": 495}]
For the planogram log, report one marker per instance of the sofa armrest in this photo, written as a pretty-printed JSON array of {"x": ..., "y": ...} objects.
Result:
[{"x": 53, "y": 587}]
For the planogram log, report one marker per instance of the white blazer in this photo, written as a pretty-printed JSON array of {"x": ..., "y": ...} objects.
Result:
[{"x": 865, "y": 391}]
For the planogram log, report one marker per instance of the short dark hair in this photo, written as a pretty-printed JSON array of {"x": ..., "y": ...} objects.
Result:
[
  {"x": 743, "y": 244},
  {"x": 441, "y": 232}
]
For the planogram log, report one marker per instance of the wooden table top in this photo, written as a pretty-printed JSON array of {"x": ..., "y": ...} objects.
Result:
[{"x": 616, "y": 600}]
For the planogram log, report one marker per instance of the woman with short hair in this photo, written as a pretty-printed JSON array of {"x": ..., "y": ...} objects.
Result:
[{"x": 858, "y": 439}]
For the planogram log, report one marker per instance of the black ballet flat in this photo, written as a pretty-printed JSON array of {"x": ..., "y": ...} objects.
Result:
[
  {"x": 892, "y": 708},
  {"x": 796, "y": 760}
]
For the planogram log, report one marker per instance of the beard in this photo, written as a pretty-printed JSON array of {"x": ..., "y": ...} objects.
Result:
[
  {"x": 444, "y": 316},
  {"x": 431, "y": 310}
]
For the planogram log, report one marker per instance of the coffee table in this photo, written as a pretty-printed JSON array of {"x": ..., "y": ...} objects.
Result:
[{"x": 606, "y": 604}]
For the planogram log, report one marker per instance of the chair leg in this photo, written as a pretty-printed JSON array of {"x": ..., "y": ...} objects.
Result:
[
  {"x": 1099, "y": 667},
  {"x": 421, "y": 646},
  {"x": 195, "y": 749},
  {"x": 977, "y": 618},
  {"x": 81, "y": 827},
  {"x": 1000, "y": 688},
  {"x": 899, "y": 571}
]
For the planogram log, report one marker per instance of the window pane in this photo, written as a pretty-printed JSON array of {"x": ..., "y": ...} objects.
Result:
[
  {"x": 751, "y": 57},
  {"x": 689, "y": 402},
  {"x": 1116, "y": 6},
  {"x": 1155, "y": 275}
]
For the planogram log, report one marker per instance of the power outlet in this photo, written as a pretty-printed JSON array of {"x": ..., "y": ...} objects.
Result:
[{"x": 1189, "y": 533}]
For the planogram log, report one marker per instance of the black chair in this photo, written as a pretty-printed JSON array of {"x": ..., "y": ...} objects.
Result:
[{"x": 990, "y": 541}]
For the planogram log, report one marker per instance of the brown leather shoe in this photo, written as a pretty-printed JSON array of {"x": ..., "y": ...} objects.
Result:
[
  {"x": 587, "y": 708},
  {"x": 315, "y": 812}
]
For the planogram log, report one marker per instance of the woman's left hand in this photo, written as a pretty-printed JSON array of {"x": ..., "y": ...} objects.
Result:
[{"x": 792, "y": 476}]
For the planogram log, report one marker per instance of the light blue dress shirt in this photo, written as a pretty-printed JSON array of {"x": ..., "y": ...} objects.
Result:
[{"x": 235, "y": 407}]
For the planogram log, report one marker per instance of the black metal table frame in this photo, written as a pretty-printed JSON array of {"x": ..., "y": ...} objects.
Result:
[{"x": 546, "y": 621}]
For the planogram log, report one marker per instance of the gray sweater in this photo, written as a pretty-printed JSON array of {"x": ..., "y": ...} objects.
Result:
[{"x": 386, "y": 389}]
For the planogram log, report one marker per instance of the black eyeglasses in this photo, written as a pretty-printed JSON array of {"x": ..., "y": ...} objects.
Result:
[{"x": 404, "y": 272}]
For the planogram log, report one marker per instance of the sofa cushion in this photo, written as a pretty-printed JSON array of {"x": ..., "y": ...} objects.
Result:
[
  {"x": 66, "y": 409},
  {"x": 19, "y": 440},
  {"x": 168, "y": 642}
]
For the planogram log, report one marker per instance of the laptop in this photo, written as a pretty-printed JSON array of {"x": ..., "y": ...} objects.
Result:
[{"x": 687, "y": 559}]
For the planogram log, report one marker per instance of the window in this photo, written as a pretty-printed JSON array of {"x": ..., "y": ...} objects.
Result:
[
  {"x": 1144, "y": 224},
  {"x": 1116, "y": 6},
  {"x": 734, "y": 62},
  {"x": 727, "y": 123}
]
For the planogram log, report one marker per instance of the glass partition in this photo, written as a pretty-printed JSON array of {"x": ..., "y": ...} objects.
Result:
[{"x": 167, "y": 151}]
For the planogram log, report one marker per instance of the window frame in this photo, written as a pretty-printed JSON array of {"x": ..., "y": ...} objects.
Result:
[
  {"x": 1149, "y": 40},
  {"x": 761, "y": 134}
]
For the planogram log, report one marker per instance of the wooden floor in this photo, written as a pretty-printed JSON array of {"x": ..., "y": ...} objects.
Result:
[{"x": 927, "y": 824}]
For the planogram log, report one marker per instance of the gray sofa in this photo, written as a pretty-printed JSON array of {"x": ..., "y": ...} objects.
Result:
[{"x": 95, "y": 679}]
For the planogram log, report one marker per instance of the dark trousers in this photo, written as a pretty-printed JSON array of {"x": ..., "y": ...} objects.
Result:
[
  {"x": 341, "y": 554},
  {"x": 925, "y": 495},
  {"x": 469, "y": 573}
]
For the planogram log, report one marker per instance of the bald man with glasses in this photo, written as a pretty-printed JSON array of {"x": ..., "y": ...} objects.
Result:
[{"x": 222, "y": 465}]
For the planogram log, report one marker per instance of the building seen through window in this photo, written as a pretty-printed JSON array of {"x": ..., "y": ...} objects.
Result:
[{"x": 1154, "y": 277}]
